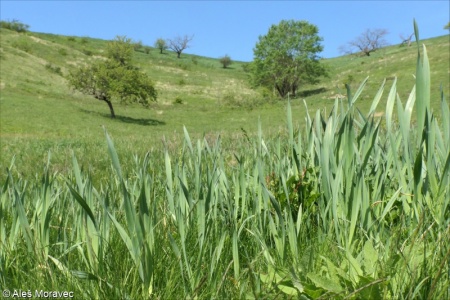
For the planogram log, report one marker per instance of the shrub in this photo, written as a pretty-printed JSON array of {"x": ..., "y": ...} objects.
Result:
[
  {"x": 53, "y": 69},
  {"x": 22, "y": 45},
  {"x": 62, "y": 51},
  {"x": 84, "y": 40},
  {"x": 225, "y": 61},
  {"x": 181, "y": 81},
  {"x": 14, "y": 25},
  {"x": 87, "y": 52},
  {"x": 184, "y": 66},
  {"x": 71, "y": 39},
  {"x": 178, "y": 100},
  {"x": 246, "y": 67},
  {"x": 147, "y": 50}
]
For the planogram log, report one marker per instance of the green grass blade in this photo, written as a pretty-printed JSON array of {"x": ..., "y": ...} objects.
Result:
[
  {"x": 83, "y": 204},
  {"x": 125, "y": 238},
  {"x": 377, "y": 98},
  {"x": 359, "y": 91},
  {"x": 422, "y": 85},
  {"x": 113, "y": 154}
]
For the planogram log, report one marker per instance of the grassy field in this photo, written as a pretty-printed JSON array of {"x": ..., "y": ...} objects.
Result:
[
  {"x": 38, "y": 111},
  {"x": 225, "y": 192}
]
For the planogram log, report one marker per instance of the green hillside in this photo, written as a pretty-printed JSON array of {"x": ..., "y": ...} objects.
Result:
[
  {"x": 40, "y": 112},
  {"x": 348, "y": 201}
]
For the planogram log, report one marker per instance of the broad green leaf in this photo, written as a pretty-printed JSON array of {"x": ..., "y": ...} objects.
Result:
[
  {"x": 287, "y": 288},
  {"x": 370, "y": 258},
  {"x": 325, "y": 283}
]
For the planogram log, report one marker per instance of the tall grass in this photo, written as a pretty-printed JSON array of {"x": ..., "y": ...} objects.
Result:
[{"x": 350, "y": 207}]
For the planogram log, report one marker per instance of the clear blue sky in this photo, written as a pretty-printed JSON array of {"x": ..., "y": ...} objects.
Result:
[{"x": 227, "y": 27}]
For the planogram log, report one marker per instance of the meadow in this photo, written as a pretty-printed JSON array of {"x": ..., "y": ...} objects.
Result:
[{"x": 227, "y": 192}]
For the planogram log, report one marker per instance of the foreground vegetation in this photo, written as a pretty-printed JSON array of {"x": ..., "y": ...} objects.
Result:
[{"x": 347, "y": 207}]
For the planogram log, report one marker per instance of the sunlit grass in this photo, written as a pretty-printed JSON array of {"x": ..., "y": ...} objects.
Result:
[{"x": 340, "y": 205}]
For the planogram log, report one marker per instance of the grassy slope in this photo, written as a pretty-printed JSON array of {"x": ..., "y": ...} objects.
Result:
[{"x": 39, "y": 112}]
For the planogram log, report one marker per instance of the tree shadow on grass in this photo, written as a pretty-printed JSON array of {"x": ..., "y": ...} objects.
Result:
[
  {"x": 125, "y": 119},
  {"x": 308, "y": 93}
]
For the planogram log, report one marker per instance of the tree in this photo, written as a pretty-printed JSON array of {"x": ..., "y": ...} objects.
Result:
[
  {"x": 15, "y": 25},
  {"x": 179, "y": 44},
  {"x": 369, "y": 41},
  {"x": 406, "y": 40},
  {"x": 225, "y": 61},
  {"x": 447, "y": 27},
  {"x": 287, "y": 56},
  {"x": 115, "y": 78},
  {"x": 161, "y": 45}
]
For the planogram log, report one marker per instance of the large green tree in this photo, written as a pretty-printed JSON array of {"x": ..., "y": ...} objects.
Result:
[
  {"x": 115, "y": 78},
  {"x": 287, "y": 57}
]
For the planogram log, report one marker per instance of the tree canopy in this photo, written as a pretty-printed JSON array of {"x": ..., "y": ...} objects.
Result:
[
  {"x": 161, "y": 44},
  {"x": 287, "y": 56},
  {"x": 225, "y": 61},
  {"x": 114, "y": 78}
]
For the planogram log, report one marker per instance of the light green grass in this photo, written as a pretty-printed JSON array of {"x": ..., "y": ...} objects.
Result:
[{"x": 38, "y": 111}]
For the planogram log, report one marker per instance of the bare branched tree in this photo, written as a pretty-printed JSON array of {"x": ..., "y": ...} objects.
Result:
[
  {"x": 406, "y": 40},
  {"x": 179, "y": 44},
  {"x": 369, "y": 41}
]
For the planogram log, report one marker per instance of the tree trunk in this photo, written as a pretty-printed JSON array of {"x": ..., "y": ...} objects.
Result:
[
  {"x": 111, "y": 109},
  {"x": 178, "y": 54}
]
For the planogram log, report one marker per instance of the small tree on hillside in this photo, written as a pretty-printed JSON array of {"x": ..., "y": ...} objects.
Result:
[
  {"x": 369, "y": 41},
  {"x": 447, "y": 27},
  {"x": 115, "y": 78},
  {"x": 161, "y": 45},
  {"x": 179, "y": 44},
  {"x": 15, "y": 25},
  {"x": 225, "y": 61},
  {"x": 406, "y": 40}
]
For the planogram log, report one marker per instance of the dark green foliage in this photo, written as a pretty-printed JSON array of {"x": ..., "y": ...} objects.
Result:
[
  {"x": 178, "y": 100},
  {"x": 287, "y": 57},
  {"x": 62, "y": 51},
  {"x": 87, "y": 52},
  {"x": 225, "y": 61},
  {"x": 115, "y": 78},
  {"x": 53, "y": 69},
  {"x": 14, "y": 25}
]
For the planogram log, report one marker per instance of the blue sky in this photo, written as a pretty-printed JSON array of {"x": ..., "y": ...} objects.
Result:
[{"x": 227, "y": 27}]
